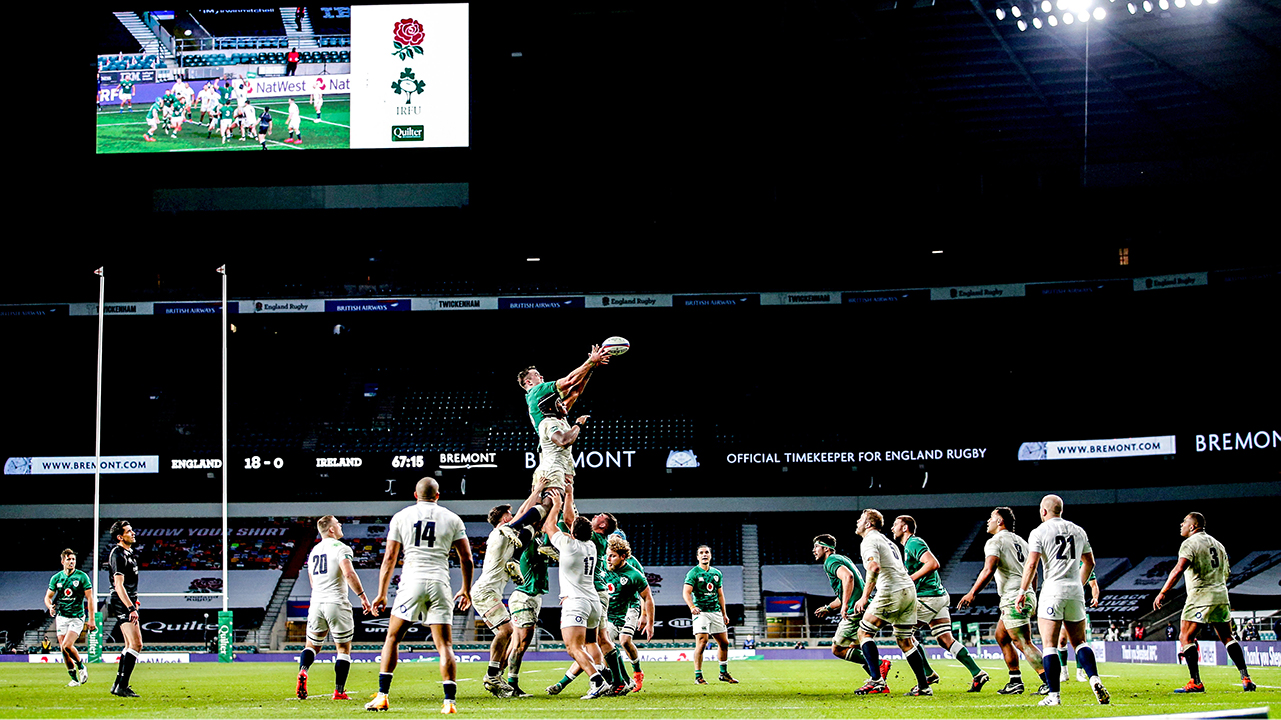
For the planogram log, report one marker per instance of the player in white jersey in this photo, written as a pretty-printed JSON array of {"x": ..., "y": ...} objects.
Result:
[
  {"x": 317, "y": 95},
  {"x": 487, "y": 593},
  {"x": 246, "y": 118},
  {"x": 330, "y": 572},
  {"x": 580, "y": 607},
  {"x": 1064, "y": 550},
  {"x": 1005, "y": 556},
  {"x": 1203, "y": 562},
  {"x": 208, "y": 100},
  {"x": 895, "y": 604},
  {"x": 426, "y": 532},
  {"x": 292, "y": 123}
]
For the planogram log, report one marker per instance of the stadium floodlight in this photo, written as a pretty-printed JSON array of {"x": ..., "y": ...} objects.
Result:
[
  {"x": 1134, "y": 9},
  {"x": 1054, "y": 21},
  {"x": 1036, "y": 23},
  {"x": 1068, "y": 18},
  {"x": 1099, "y": 13},
  {"x": 1163, "y": 4},
  {"x": 1083, "y": 16},
  {"x": 1000, "y": 13},
  {"x": 1022, "y": 25},
  {"x": 1147, "y": 6},
  {"x": 1180, "y": 3},
  {"x": 1046, "y": 6},
  {"x": 1016, "y": 11}
]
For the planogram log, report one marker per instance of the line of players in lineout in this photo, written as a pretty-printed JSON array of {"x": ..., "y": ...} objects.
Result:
[
  {"x": 226, "y": 105},
  {"x": 603, "y": 604}
]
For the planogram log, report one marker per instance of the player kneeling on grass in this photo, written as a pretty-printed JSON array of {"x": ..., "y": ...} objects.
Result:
[
  {"x": 1204, "y": 564},
  {"x": 330, "y": 572},
  {"x": 69, "y": 590},
  {"x": 847, "y": 583}
]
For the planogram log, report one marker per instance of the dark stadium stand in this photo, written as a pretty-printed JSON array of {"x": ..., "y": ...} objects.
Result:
[
  {"x": 240, "y": 23},
  {"x": 113, "y": 35}
]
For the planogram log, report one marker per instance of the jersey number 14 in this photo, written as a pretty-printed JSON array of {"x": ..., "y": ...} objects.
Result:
[{"x": 425, "y": 533}]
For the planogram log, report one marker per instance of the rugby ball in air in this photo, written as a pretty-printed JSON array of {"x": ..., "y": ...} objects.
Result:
[{"x": 616, "y": 345}]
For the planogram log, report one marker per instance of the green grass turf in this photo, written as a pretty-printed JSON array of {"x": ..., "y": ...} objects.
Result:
[
  {"x": 777, "y": 688},
  {"x": 122, "y": 132}
]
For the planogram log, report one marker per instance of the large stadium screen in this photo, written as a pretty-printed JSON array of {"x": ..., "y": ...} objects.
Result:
[{"x": 218, "y": 80}]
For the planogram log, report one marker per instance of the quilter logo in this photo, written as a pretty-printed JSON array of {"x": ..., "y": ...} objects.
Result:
[{"x": 407, "y": 133}]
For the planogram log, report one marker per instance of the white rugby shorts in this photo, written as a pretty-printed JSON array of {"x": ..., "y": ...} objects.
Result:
[
  {"x": 580, "y": 612},
  {"x": 524, "y": 609},
  {"x": 426, "y": 602},
  {"x": 64, "y": 625},
  {"x": 709, "y": 622},
  {"x": 324, "y": 619}
]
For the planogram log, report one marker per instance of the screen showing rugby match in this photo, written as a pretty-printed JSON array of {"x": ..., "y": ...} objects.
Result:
[{"x": 358, "y": 77}]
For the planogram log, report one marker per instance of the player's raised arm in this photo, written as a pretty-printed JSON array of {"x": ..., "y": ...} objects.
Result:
[
  {"x": 549, "y": 524},
  {"x": 570, "y": 512},
  {"x": 595, "y": 357},
  {"x": 989, "y": 567},
  {"x": 565, "y": 438}
]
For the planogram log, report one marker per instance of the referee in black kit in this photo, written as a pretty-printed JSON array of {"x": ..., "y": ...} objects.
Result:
[{"x": 123, "y": 605}]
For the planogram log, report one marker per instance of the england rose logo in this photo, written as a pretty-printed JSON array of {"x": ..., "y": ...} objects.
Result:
[{"x": 408, "y": 38}]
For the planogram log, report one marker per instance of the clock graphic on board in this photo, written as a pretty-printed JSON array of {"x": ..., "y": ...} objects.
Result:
[{"x": 17, "y": 466}]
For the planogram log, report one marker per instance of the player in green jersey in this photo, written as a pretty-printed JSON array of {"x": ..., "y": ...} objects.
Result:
[
  {"x": 525, "y": 603},
  {"x": 628, "y": 587},
  {"x": 636, "y": 618},
  {"x": 155, "y": 116},
  {"x": 568, "y": 388},
  {"x": 706, "y": 601},
  {"x": 932, "y": 600},
  {"x": 1203, "y": 562},
  {"x": 847, "y": 583},
  {"x": 69, "y": 591},
  {"x": 126, "y": 94}
]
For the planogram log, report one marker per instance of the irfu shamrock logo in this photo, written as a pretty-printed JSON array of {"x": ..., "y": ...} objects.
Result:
[{"x": 408, "y": 85}]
